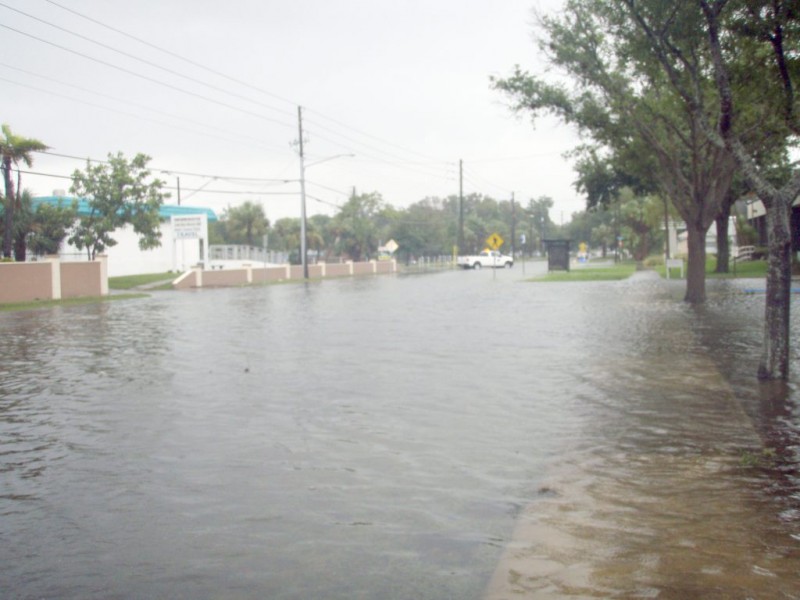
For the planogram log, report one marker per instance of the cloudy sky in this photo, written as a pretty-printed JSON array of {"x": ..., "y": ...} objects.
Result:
[{"x": 210, "y": 90}]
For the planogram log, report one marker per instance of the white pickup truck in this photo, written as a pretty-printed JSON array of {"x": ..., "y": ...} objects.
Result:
[{"x": 487, "y": 258}]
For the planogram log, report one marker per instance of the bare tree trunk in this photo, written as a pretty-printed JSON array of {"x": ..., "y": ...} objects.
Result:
[
  {"x": 723, "y": 247},
  {"x": 775, "y": 358},
  {"x": 8, "y": 217},
  {"x": 696, "y": 268},
  {"x": 20, "y": 248}
]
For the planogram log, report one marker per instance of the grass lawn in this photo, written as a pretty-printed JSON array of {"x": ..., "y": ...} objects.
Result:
[
  {"x": 38, "y": 304},
  {"x": 128, "y": 282},
  {"x": 613, "y": 272},
  {"x": 747, "y": 269}
]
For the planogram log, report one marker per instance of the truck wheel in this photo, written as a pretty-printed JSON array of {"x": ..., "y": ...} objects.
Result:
[
  {"x": 476, "y": 266},
  {"x": 509, "y": 264}
]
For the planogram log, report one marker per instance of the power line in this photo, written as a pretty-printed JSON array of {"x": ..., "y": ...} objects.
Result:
[
  {"x": 254, "y": 142},
  {"x": 185, "y": 189},
  {"x": 147, "y": 62},
  {"x": 229, "y": 78},
  {"x": 211, "y": 100},
  {"x": 396, "y": 161},
  {"x": 173, "y": 54},
  {"x": 176, "y": 172},
  {"x": 147, "y": 78}
]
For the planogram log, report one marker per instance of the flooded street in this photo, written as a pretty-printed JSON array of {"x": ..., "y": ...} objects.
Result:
[{"x": 455, "y": 435}]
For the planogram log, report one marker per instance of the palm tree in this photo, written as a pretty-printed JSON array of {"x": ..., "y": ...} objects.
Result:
[
  {"x": 247, "y": 221},
  {"x": 13, "y": 149}
]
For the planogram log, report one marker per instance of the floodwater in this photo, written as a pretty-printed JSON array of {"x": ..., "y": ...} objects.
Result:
[{"x": 457, "y": 435}]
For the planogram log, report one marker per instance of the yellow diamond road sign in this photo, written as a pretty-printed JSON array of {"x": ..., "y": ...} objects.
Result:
[{"x": 494, "y": 241}]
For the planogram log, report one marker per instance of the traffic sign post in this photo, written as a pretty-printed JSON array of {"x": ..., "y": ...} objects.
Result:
[{"x": 494, "y": 241}]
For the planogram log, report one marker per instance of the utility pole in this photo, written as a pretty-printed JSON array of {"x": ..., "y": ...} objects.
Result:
[
  {"x": 179, "y": 190},
  {"x": 513, "y": 226},
  {"x": 460, "y": 206},
  {"x": 303, "y": 238}
]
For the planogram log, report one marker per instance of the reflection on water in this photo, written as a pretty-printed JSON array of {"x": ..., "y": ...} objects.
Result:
[{"x": 398, "y": 437}]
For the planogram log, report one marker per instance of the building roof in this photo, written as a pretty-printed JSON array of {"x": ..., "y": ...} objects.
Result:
[{"x": 166, "y": 211}]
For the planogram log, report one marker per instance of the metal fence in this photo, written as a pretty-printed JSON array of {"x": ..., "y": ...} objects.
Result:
[{"x": 246, "y": 253}]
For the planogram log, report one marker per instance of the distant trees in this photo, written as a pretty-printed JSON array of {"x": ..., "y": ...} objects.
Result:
[
  {"x": 46, "y": 226},
  {"x": 13, "y": 150},
  {"x": 119, "y": 193},
  {"x": 643, "y": 132},
  {"x": 243, "y": 224}
]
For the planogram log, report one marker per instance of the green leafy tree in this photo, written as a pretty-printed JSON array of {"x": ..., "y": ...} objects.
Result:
[
  {"x": 320, "y": 235},
  {"x": 286, "y": 236},
  {"x": 119, "y": 193},
  {"x": 13, "y": 150},
  {"x": 631, "y": 110},
  {"x": 751, "y": 48},
  {"x": 245, "y": 224},
  {"x": 356, "y": 226},
  {"x": 763, "y": 36},
  {"x": 49, "y": 226}
]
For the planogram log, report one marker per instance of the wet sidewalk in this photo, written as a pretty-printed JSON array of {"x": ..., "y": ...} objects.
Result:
[{"x": 662, "y": 498}]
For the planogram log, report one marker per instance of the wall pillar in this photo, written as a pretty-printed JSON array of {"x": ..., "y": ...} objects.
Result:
[
  {"x": 103, "y": 258},
  {"x": 55, "y": 276}
]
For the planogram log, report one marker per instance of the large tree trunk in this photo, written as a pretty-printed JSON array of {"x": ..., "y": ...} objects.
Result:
[
  {"x": 8, "y": 216},
  {"x": 696, "y": 268},
  {"x": 20, "y": 248},
  {"x": 723, "y": 247},
  {"x": 775, "y": 358}
]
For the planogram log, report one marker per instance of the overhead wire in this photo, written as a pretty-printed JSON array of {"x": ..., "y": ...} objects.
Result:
[
  {"x": 236, "y": 80},
  {"x": 177, "y": 172},
  {"x": 395, "y": 160},
  {"x": 252, "y": 141},
  {"x": 394, "y": 163},
  {"x": 170, "y": 53},
  {"x": 242, "y": 83},
  {"x": 201, "y": 188},
  {"x": 148, "y": 78},
  {"x": 147, "y": 62}
]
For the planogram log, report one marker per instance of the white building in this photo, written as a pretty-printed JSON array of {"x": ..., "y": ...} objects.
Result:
[{"x": 184, "y": 241}]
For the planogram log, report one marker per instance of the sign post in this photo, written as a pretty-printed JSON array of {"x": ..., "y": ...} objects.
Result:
[
  {"x": 189, "y": 227},
  {"x": 494, "y": 242}
]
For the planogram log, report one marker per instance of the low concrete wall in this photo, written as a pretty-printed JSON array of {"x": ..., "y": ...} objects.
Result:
[
  {"x": 52, "y": 280},
  {"x": 198, "y": 278},
  {"x": 268, "y": 274},
  {"x": 339, "y": 269},
  {"x": 82, "y": 279},
  {"x": 364, "y": 268},
  {"x": 225, "y": 277},
  {"x": 23, "y": 282}
]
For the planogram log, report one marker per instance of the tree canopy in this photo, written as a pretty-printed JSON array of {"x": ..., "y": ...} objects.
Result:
[
  {"x": 13, "y": 150},
  {"x": 644, "y": 134},
  {"x": 119, "y": 192}
]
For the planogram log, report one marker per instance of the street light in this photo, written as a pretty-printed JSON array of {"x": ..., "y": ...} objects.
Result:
[{"x": 303, "y": 228}]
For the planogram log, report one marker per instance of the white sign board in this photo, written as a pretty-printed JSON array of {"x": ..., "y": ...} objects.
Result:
[{"x": 188, "y": 227}]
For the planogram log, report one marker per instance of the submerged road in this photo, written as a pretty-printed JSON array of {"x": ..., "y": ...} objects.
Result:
[{"x": 451, "y": 435}]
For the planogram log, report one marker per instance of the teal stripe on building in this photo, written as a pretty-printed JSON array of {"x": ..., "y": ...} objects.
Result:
[{"x": 166, "y": 211}]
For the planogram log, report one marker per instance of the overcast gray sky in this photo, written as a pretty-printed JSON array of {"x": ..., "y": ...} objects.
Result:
[{"x": 212, "y": 97}]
